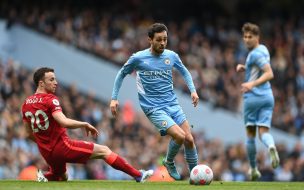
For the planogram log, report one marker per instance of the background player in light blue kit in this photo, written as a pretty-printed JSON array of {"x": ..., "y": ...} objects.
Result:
[
  {"x": 157, "y": 99},
  {"x": 258, "y": 97}
]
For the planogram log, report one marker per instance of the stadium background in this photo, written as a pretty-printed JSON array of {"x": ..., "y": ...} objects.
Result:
[{"x": 207, "y": 36}]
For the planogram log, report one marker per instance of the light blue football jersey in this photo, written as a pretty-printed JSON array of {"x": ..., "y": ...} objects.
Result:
[
  {"x": 255, "y": 61},
  {"x": 153, "y": 78}
]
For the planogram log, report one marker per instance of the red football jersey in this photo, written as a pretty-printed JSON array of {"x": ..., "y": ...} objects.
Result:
[{"x": 37, "y": 111}]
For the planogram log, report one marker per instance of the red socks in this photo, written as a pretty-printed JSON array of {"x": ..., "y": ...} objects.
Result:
[{"x": 119, "y": 163}]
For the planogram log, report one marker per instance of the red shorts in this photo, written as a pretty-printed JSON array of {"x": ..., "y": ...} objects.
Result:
[{"x": 67, "y": 151}]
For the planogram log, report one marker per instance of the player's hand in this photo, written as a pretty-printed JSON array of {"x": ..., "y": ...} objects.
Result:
[
  {"x": 90, "y": 129},
  {"x": 247, "y": 86},
  {"x": 240, "y": 68},
  {"x": 114, "y": 107},
  {"x": 194, "y": 98}
]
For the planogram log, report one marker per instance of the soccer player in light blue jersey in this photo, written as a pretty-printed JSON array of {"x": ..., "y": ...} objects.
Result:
[
  {"x": 258, "y": 97},
  {"x": 157, "y": 99}
]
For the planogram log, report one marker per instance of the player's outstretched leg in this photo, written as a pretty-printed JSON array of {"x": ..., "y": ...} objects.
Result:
[
  {"x": 121, "y": 164},
  {"x": 144, "y": 175},
  {"x": 274, "y": 156}
]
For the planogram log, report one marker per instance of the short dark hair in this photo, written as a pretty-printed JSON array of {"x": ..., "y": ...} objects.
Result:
[
  {"x": 40, "y": 73},
  {"x": 156, "y": 28},
  {"x": 250, "y": 27}
]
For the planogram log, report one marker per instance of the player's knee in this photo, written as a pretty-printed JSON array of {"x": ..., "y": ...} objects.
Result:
[
  {"x": 106, "y": 151},
  {"x": 103, "y": 150},
  {"x": 263, "y": 130},
  {"x": 100, "y": 151},
  {"x": 189, "y": 141},
  {"x": 251, "y": 131},
  {"x": 180, "y": 138}
]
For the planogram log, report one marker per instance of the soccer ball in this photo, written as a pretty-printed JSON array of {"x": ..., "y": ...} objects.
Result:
[{"x": 201, "y": 175}]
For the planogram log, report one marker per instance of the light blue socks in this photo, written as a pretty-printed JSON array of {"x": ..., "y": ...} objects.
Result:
[
  {"x": 191, "y": 157},
  {"x": 251, "y": 152},
  {"x": 173, "y": 149},
  {"x": 267, "y": 139}
]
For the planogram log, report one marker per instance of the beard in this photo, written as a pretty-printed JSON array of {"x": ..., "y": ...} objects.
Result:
[{"x": 158, "y": 50}]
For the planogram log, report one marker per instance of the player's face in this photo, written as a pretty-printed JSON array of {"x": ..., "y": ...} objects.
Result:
[
  {"x": 250, "y": 40},
  {"x": 159, "y": 42},
  {"x": 49, "y": 83}
]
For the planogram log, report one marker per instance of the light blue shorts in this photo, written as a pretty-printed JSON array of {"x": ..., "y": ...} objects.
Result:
[
  {"x": 166, "y": 117},
  {"x": 258, "y": 111}
]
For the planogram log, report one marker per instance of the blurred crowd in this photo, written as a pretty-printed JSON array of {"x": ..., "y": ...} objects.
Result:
[
  {"x": 210, "y": 50},
  {"x": 130, "y": 135}
]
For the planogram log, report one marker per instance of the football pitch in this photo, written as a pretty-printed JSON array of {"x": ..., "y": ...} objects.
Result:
[{"x": 131, "y": 185}]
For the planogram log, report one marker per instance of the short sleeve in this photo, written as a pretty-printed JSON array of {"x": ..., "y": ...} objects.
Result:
[
  {"x": 261, "y": 59},
  {"x": 54, "y": 104},
  {"x": 130, "y": 65}
]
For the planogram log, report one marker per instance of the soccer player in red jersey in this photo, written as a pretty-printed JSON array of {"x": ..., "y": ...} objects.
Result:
[{"x": 46, "y": 125}]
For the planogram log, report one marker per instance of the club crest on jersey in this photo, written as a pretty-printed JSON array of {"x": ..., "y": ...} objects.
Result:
[
  {"x": 167, "y": 61},
  {"x": 55, "y": 102},
  {"x": 164, "y": 123}
]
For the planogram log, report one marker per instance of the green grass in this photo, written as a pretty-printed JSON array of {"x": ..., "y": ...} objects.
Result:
[{"x": 131, "y": 185}]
